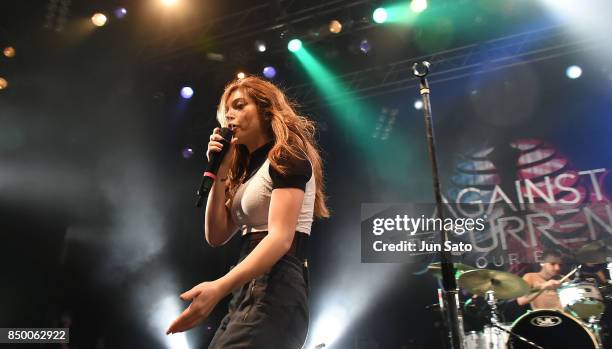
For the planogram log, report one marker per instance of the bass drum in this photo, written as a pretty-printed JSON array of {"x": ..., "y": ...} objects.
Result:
[{"x": 551, "y": 329}]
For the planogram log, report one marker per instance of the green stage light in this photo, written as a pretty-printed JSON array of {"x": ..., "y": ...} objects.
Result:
[
  {"x": 358, "y": 117},
  {"x": 294, "y": 45},
  {"x": 380, "y": 15},
  {"x": 418, "y": 6}
]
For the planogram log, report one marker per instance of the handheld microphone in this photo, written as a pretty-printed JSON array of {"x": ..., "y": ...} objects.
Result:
[{"x": 210, "y": 175}]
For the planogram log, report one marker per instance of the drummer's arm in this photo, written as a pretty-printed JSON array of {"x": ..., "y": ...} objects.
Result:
[
  {"x": 527, "y": 299},
  {"x": 602, "y": 276},
  {"x": 524, "y": 300},
  {"x": 535, "y": 289}
]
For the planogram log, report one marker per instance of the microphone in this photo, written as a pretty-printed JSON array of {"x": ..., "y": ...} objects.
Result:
[{"x": 210, "y": 175}]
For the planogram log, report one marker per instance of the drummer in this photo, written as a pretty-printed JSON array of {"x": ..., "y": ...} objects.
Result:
[{"x": 544, "y": 279}]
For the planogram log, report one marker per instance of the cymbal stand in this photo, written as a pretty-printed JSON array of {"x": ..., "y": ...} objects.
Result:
[
  {"x": 494, "y": 338},
  {"x": 596, "y": 328},
  {"x": 441, "y": 304}
]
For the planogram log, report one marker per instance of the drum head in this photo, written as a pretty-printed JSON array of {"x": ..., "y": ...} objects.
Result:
[
  {"x": 581, "y": 299},
  {"x": 551, "y": 329}
]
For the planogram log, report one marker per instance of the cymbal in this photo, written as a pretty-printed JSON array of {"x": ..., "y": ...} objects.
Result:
[
  {"x": 505, "y": 285},
  {"x": 595, "y": 252},
  {"x": 436, "y": 268}
]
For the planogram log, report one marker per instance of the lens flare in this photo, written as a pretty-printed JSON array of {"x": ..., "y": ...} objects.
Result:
[{"x": 98, "y": 19}]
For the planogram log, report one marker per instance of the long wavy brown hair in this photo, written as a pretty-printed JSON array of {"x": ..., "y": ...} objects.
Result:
[{"x": 293, "y": 135}]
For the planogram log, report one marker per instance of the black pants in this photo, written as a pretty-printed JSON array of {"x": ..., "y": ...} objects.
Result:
[{"x": 271, "y": 311}]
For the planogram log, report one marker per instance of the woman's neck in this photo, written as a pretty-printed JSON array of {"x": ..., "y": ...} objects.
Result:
[{"x": 256, "y": 144}]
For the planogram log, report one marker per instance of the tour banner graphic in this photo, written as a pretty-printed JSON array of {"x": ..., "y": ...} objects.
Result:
[{"x": 493, "y": 221}]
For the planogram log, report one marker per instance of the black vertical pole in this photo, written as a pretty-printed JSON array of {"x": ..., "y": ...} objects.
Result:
[{"x": 449, "y": 283}]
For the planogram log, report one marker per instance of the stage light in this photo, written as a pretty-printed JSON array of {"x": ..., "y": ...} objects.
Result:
[
  {"x": 163, "y": 309},
  {"x": 365, "y": 46},
  {"x": 269, "y": 72},
  {"x": 418, "y": 6},
  {"x": 9, "y": 52},
  {"x": 187, "y": 153},
  {"x": 294, "y": 45},
  {"x": 98, "y": 19},
  {"x": 380, "y": 15},
  {"x": 573, "y": 72},
  {"x": 120, "y": 12},
  {"x": 169, "y": 2},
  {"x": 186, "y": 92},
  {"x": 260, "y": 46},
  {"x": 335, "y": 26},
  {"x": 418, "y": 104},
  {"x": 241, "y": 75},
  {"x": 330, "y": 325},
  {"x": 3, "y": 83}
]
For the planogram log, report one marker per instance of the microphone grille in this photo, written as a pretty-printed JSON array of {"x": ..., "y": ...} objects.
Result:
[{"x": 226, "y": 133}]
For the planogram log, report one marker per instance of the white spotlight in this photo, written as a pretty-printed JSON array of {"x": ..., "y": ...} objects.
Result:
[
  {"x": 418, "y": 104},
  {"x": 573, "y": 72},
  {"x": 167, "y": 309},
  {"x": 330, "y": 325},
  {"x": 260, "y": 46},
  {"x": 169, "y": 2}
]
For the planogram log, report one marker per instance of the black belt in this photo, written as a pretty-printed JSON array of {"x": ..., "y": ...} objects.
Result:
[{"x": 298, "y": 249}]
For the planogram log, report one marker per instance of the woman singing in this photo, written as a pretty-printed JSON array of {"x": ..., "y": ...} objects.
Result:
[{"x": 270, "y": 187}]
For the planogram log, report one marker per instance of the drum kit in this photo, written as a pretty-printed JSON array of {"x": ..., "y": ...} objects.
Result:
[{"x": 577, "y": 325}]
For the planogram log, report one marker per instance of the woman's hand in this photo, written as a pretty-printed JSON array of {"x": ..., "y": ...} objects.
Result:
[
  {"x": 215, "y": 145},
  {"x": 204, "y": 297}
]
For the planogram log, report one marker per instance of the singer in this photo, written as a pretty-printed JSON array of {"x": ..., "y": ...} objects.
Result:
[{"x": 269, "y": 187}]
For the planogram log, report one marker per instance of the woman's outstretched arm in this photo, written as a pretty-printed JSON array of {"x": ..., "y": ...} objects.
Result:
[{"x": 285, "y": 205}]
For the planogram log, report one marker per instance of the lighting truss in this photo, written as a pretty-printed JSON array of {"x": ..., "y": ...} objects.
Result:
[
  {"x": 503, "y": 52},
  {"x": 253, "y": 22},
  {"x": 55, "y": 18}
]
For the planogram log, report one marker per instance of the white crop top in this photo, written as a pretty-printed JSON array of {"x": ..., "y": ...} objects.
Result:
[{"x": 251, "y": 203}]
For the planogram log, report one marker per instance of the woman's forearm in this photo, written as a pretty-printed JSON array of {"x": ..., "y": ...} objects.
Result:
[{"x": 216, "y": 220}]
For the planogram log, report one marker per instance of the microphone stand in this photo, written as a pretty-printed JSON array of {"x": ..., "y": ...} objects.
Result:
[{"x": 450, "y": 293}]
